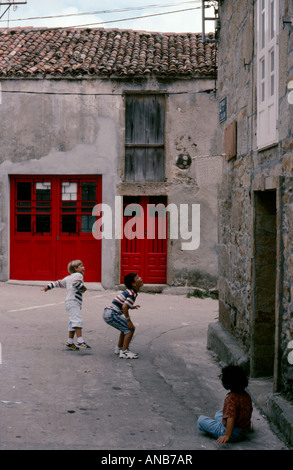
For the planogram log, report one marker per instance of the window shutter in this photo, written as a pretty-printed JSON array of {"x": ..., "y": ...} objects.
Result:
[
  {"x": 144, "y": 137},
  {"x": 267, "y": 72}
]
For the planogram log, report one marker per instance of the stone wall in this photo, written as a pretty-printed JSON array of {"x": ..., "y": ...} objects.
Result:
[
  {"x": 255, "y": 199},
  {"x": 235, "y": 81}
]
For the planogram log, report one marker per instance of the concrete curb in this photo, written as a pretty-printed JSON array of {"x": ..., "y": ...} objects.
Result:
[
  {"x": 280, "y": 413},
  {"x": 225, "y": 346}
]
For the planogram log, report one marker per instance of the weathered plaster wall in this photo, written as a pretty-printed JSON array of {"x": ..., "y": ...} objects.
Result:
[
  {"x": 57, "y": 133},
  {"x": 77, "y": 127}
]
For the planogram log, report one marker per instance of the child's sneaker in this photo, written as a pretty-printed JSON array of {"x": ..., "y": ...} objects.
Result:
[
  {"x": 83, "y": 346},
  {"x": 128, "y": 354},
  {"x": 117, "y": 350},
  {"x": 71, "y": 347}
]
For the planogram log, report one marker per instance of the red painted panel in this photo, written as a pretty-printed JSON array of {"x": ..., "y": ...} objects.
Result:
[
  {"x": 51, "y": 225},
  {"x": 146, "y": 255}
]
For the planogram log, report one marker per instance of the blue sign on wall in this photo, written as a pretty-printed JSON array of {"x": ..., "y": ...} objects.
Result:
[{"x": 223, "y": 110}]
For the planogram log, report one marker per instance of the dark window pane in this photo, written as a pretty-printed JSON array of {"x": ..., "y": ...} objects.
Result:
[
  {"x": 23, "y": 207},
  {"x": 43, "y": 224},
  {"x": 69, "y": 223},
  {"x": 23, "y": 191},
  {"x": 158, "y": 200},
  {"x": 88, "y": 191},
  {"x": 88, "y": 206},
  {"x": 43, "y": 207},
  {"x": 131, "y": 200},
  {"x": 87, "y": 222},
  {"x": 43, "y": 191},
  {"x": 23, "y": 223}
]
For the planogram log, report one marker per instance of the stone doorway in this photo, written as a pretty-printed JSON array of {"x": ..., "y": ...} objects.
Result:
[{"x": 264, "y": 284}]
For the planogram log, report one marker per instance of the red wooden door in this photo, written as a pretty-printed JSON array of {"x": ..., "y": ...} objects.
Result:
[
  {"x": 144, "y": 243},
  {"x": 51, "y": 224}
]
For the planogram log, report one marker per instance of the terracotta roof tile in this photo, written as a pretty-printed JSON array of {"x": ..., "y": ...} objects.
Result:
[{"x": 104, "y": 52}]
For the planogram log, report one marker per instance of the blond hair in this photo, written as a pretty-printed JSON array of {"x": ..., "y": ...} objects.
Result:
[{"x": 73, "y": 264}]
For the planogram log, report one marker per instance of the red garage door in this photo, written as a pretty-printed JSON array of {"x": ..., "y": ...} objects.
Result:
[
  {"x": 144, "y": 243},
  {"x": 51, "y": 224}
]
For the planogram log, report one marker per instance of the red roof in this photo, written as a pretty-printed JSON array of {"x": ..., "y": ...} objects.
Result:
[{"x": 64, "y": 52}]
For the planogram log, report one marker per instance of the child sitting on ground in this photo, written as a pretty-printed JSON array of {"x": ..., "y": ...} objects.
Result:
[{"x": 233, "y": 422}]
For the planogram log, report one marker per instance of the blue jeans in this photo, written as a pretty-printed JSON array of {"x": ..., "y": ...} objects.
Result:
[
  {"x": 215, "y": 427},
  {"x": 117, "y": 321}
]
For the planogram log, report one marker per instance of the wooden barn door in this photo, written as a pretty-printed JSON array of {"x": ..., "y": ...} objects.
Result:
[{"x": 144, "y": 243}]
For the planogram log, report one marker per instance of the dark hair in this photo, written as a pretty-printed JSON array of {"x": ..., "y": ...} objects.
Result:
[
  {"x": 129, "y": 279},
  {"x": 234, "y": 378}
]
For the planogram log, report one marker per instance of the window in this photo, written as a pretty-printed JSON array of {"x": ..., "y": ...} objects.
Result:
[
  {"x": 144, "y": 137},
  {"x": 43, "y": 207},
  {"x": 88, "y": 201},
  {"x": 267, "y": 72},
  {"x": 33, "y": 207},
  {"x": 78, "y": 199}
]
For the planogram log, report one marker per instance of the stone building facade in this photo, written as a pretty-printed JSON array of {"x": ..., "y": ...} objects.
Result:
[
  {"x": 255, "y": 73},
  {"x": 80, "y": 110}
]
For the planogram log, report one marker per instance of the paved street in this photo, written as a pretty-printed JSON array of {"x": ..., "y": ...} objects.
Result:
[{"x": 51, "y": 398}]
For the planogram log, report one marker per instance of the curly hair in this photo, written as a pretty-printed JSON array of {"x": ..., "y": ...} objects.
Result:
[
  {"x": 129, "y": 279},
  {"x": 234, "y": 378}
]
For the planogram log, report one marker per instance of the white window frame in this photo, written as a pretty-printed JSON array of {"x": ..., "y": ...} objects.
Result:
[{"x": 267, "y": 72}]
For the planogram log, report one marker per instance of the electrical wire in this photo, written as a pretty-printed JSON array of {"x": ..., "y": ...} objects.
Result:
[
  {"x": 129, "y": 19},
  {"x": 126, "y": 19},
  {"x": 116, "y": 10},
  {"x": 63, "y": 93}
]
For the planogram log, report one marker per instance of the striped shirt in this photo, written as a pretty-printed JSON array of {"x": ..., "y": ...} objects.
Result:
[
  {"x": 128, "y": 296},
  {"x": 74, "y": 285}
]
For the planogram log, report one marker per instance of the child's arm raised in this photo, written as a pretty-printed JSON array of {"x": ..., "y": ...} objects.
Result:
[{"x": 51, "y": 285}]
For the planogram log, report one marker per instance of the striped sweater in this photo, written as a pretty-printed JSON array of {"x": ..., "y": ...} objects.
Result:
[
  {"x": 74, "y": 285},
  {"x": 128, "y": 296}
]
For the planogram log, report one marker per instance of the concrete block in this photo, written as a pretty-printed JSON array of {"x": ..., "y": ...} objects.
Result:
[
  {"x": 226, "y": 347},
  {"x": 280, "y": 412}
]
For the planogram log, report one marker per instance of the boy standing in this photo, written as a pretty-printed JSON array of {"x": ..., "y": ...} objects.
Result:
[
  {"x": 73, "y": 302},
  {"x": 117, "y": 314}
]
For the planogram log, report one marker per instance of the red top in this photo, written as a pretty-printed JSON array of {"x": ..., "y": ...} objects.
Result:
[{"x": 238, "y": 405}]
